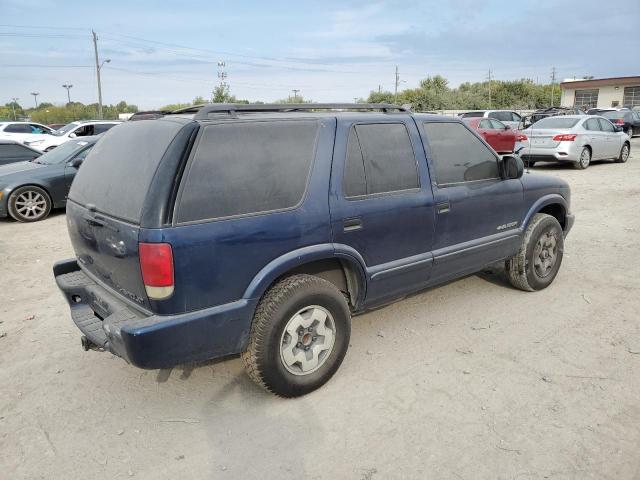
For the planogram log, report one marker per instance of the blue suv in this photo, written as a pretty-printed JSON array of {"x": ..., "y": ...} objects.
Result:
[{"x": 261, "y": 229}]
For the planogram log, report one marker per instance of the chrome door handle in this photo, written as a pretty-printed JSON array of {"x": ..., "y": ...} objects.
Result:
[{"x": 444, "y": 207}]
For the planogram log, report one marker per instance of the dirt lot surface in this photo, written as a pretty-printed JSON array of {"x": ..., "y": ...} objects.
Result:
[{"x": 471, "y": 380}]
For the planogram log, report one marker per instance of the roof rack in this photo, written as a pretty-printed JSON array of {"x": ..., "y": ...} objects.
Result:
[{"x": 202, "y": 111}]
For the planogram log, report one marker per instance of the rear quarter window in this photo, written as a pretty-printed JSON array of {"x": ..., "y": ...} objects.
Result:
[
  {"x": 116, "y": 175},
  {"x": 247, "y": 168}
]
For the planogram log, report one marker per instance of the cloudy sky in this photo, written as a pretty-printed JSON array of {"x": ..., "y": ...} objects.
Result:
[{"x": 167, "y": 52}]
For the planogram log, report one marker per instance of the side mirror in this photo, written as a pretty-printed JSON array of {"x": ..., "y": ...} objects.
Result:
[
  {"x": 618, "y": 128},
  {"x": 512, "y": 167},
  {"x": 507, "y": 127},
  {"x": 72, "y": 135},
  {"x": 76, "y": 162}
]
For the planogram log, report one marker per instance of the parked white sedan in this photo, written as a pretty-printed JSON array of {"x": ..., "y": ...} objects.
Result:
[
  {"x": 24, "y": 131},
  {"x": 81, "y": 128},
  {"x": 575, "y": 138}
]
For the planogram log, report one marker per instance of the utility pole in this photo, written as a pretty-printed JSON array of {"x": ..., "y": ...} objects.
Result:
[
  {"x": 95, "y": 49},
  {"x": 489, "y": 78},
  {"x": 379, "y": 88},
  {"x": 13, "y": 105},
  {"x": 68, "y": 87},
  {"x": 553, "y": 81},
  {"x": 295, "y": 93},
  {"x": 35, "y": 97},
  {"x": 395, "y": 94}
]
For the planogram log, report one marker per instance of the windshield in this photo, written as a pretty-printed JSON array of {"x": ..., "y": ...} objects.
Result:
[
  {"x": 556, "y": 122},
  {"x": 61, "y": 154},
  {"x": 613, "y": 114},
  {"x": 67, "y": 128}
]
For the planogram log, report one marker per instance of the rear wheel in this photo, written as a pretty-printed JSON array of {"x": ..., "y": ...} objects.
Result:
[
  {"x": 29, "y": 204},
  {"x": 585, "y": 159},
  {"x": 299, "y": 336},
  {"x": 537, "y": 262},
  {"x": 624, "y": 154}
]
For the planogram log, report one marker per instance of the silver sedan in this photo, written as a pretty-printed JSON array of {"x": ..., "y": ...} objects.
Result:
[{"x": 574, "y": 138}]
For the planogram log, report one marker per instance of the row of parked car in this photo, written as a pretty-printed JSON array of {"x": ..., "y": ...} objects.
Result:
[{"x": 559, "y": 134}]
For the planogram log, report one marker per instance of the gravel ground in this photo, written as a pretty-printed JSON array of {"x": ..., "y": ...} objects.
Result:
[{"x": 471, "y": 380}]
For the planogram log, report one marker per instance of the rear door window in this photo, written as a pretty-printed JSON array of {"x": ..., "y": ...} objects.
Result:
[
  {"x": 18, "y": 128},
  {"x": 390, "y": 164},
  {"x": 15, "y": 150},
  {"x": 497, "y": 124},
  {"x": 485, "y": 124},
  {"x": 592, "y": 125},
  {"x": 458, "y": 155},
  {"x": 246, "y": 168}
]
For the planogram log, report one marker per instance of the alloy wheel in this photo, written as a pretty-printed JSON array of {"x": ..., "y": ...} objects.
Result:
[
  {"x": 31, "y": 205},
  {"x": 307, "y": 340}
]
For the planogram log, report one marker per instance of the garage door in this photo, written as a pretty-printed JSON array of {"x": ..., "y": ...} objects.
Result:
[{"x": 631, "y": 96}]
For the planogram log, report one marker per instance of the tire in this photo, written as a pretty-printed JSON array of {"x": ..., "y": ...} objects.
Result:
[
  {"x": 274, "y": 357},
  {"x": 585, "y": 159},
  {"x": 543, "y": 243},
  {"x": 624, "y": 154},
  {"x": 29, "y": 204}
]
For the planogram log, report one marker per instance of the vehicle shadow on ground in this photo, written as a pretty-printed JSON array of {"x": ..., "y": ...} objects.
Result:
[{"x": 54, "y": 213}]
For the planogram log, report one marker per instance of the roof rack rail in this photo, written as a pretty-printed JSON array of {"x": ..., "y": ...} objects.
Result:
[{"x": 202, "y": 111}]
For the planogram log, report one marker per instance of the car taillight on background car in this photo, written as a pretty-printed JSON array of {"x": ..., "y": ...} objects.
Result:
[
  {"x": 156, "y": 264},
  {"x": 521, "y": 137},
  {"x": 565, "y": 137}
]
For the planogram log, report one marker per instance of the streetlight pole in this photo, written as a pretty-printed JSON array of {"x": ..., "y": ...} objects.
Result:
[
  {"x": 68, "y": 94},
  {"x": 35, "y": 97}
]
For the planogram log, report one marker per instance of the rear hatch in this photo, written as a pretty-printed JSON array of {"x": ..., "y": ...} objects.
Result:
[{"x": 106, "y": 202}]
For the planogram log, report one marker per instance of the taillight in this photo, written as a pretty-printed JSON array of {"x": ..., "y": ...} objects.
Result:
[
  {"x": 156, "y": 264},
  {"x": 521, "y": 137},
  {"x": 566, "y": 137},
  {"x": 618, "y": 121}
]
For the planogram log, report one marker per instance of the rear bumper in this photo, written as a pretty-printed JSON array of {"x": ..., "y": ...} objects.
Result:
[
  {"x": 563, "y": 152},
  {"x": 147, "y": 340}
]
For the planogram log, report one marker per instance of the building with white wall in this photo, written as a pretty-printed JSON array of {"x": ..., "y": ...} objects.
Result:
[{"x": 601, "y": 92}]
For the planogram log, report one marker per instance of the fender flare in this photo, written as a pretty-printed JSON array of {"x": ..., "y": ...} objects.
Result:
[
  {"x": 290, "y": 260},
  {"x": 550, "y": 199}
]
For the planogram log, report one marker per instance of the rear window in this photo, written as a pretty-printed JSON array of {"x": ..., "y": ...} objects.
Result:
[
  {"x": 246, "y": 168},
  {"x": 613, "y": 115},
  {"x": 556, "y": 122},
  {"x": 117, "y": 173},
  {"x": 472, "y": 114}
]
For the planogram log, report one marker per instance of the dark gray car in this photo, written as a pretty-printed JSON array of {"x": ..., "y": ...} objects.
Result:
[{"x": 29, "y": 190}]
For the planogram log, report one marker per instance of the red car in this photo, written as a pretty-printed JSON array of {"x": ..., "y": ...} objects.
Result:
[{"x": 496, "y": 133}]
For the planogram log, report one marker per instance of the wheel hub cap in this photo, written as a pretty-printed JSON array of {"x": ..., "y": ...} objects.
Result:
[
  {"x": 545, "y": 254},
  {"x": 307, "y": 340}
]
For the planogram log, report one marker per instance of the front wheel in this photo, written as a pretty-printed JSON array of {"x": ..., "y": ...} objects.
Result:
[
  {"x": 29, "y": 204},
  {"x": 537, "y": 262},
  {"x": 585, "y": 159},
  {"x": 299, "y": 336},
  {"x": 624, "y": 154}
]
